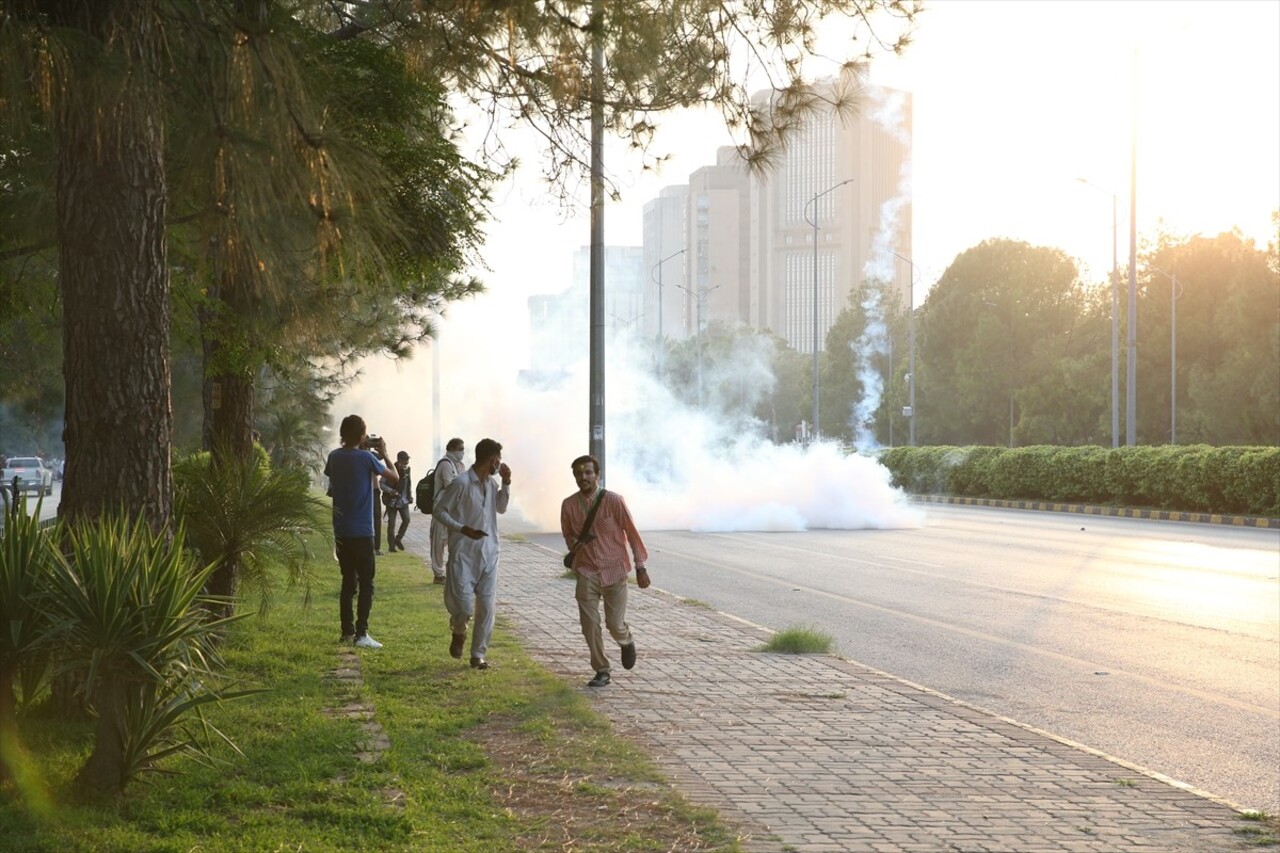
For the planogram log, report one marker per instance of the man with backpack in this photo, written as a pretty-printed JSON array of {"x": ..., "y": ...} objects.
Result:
[{"x": 446, "y": 471}]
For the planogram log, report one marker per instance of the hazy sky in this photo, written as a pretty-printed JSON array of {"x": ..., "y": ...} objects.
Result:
[{"x": 1013, "y": 101}]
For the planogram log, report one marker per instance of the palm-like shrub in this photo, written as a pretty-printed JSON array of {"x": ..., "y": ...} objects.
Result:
[
  {"x": 246, "y": 518},
  {"x": 132, "y": 625},
  {"x": 26, "y": 559}
]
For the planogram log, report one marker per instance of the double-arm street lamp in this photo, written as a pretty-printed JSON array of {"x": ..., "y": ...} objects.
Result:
[
  {"x": 657, "y": 268},
  {"x": 814, "y": 222},
  {"x": 1115, "y": 320},
  {"x": 1174, "y": 293}
]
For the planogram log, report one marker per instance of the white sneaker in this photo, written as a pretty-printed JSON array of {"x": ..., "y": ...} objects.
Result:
[{"x": 367, "y": 642}]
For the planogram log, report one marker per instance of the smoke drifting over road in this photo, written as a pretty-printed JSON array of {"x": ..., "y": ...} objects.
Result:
[{"x": 679, "y": 469}]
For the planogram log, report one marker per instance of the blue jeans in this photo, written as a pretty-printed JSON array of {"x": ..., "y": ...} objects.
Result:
[{"x": 355, "y": 558}]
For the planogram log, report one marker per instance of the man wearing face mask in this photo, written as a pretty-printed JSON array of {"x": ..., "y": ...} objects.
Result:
[
  {"x": 447, "y": 470},
  {"x": 469, "y": 511}
]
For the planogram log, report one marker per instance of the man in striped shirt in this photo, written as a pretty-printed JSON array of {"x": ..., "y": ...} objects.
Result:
[{"x": 601, "y": 562}]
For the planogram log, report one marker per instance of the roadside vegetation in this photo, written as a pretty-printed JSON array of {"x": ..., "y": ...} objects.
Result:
[
  {"x": 509, "y": 759},
  {"x": 800, "y": 641}
]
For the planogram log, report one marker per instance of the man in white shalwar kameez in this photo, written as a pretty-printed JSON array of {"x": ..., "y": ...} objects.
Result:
[{"x": 469, "y": 509}]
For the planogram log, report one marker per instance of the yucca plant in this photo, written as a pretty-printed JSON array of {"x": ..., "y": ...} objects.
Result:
[
  {"x": 26, "y": 559},
  {"x": 246, "y": 519},
  {"x": 133, "y": 626}
]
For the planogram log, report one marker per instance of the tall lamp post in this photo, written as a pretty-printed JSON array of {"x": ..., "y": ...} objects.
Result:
[
  {"x": 1115, "y": 320},
  {"x": 814, "y": 223},
  {"x": 911, "y": 358},
  {"x": 1173, "y": 352},
  {"x": 658, "y": 269}
]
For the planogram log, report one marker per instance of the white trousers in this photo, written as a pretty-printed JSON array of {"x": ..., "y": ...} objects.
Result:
[
  {"x": 439, "y": 538},
  {"x": 467, "y": 590}
]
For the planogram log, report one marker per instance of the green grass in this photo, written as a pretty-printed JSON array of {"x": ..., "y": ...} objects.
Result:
[
  {"x": 799, "y": 641},
  {"x": 510, "y": 759}
]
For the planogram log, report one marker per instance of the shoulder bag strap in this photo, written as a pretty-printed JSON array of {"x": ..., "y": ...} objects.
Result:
[{"x": 591, "y": 516}]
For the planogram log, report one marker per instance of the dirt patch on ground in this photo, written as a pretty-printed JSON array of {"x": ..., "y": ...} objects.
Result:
[{"x": 584, "y": 810}]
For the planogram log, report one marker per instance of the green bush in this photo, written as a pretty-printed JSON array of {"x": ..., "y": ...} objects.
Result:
[{"x": 1193, "y": 478}]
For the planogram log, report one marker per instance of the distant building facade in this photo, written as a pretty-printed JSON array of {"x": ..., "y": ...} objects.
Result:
[{"x": 750, "y": 254}]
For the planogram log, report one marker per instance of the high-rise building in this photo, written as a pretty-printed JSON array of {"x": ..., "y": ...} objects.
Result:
[
  {"x": 665, "y": 260},
  {"x": 718, "y": 232},
  {"x": 847, "y": 184},
  {"x": 750, "y": 253}
]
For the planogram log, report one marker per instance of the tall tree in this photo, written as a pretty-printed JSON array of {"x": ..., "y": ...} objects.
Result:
[
  {"x": 90, "y": 66},
  {"x": 990, "y": 334},
  {"x": 1228, "y": 343}
]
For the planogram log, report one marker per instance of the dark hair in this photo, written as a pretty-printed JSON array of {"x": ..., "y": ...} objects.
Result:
[
  {"x": 352, "y": 429},
  {"x": 582, "y": 460},
  {"x": 487, "y": 448},
  {"x": 454, "y": 444}
]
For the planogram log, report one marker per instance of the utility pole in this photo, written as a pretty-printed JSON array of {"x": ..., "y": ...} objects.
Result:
[{"x": 596, "y": 414}]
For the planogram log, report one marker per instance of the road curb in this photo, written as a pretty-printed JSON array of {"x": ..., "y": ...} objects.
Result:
[{"x": 1112, "y": 511}]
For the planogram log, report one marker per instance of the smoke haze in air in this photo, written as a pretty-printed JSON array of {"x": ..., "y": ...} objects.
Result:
[{"x": 679, "y": 469}]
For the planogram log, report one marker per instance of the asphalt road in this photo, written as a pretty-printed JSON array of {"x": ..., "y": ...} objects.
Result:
[
  {"x": 1155, "y": 642},
  {"x": 49, "y": 504}
]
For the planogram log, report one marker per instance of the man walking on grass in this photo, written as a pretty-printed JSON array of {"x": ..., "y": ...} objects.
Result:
[
  {"x": 601, "y": 563},
  {"x": 352, "y": 474},
  {"x": 469, "y": 510}
]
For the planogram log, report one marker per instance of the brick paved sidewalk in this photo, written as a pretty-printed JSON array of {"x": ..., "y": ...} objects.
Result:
[{"x": 816, "y": 753}]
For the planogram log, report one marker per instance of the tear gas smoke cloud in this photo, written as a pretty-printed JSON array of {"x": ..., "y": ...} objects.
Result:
[
  {"x": 678, "y": 469},
  {"x": 885, "y": 109}
]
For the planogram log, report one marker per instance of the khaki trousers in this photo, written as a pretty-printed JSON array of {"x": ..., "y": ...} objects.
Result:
[{"x": 589, "y": 594}]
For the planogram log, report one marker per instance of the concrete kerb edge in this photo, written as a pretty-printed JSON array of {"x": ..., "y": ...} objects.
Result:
[
  {"x": 838, "y": 662},
  {"x": 1251, "y": 521}
]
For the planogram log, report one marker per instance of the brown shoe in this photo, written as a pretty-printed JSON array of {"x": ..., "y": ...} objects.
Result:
[
  {"x": 438, "y": 579},
  {"x": 455, "y": 647},
  {"x": 479, "y": 663}
]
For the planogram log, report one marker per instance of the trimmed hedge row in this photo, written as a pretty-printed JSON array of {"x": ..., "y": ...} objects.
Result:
[{"x": 1191, "y": 478}]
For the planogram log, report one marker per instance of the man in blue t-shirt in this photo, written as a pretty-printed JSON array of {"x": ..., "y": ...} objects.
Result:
[{"x": 353, "y": 474}]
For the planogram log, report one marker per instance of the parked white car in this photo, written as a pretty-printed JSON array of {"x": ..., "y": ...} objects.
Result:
[{"x": 32, "y": 474}]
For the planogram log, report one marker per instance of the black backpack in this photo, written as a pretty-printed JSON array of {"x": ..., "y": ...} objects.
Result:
[{"x": 425, "y": 492}]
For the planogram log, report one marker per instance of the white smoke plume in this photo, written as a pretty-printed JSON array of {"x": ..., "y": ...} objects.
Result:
[
  {"x": 874, "y": 341},
  {"x": 679, "y": 469}
]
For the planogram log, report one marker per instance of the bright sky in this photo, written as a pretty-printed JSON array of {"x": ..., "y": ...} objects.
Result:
[{"x": 1013, "y": 101}]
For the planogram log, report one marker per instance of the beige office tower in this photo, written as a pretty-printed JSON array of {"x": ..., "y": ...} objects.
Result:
[
  {"x": 737, "y": 246},
  {"x": 860, "y": 225},
  {"x": 665, "y": 260}
]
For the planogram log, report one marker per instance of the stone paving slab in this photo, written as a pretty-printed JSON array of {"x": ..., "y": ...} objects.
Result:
[{"x": 817, "y": 753}]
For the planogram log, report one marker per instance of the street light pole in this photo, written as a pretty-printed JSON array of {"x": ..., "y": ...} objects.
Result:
[
  {"x": 658, "y": 268},
  {"x": 1173, "y": 353},
  {"x": 1131, "y": 363},
  {"x": 911, "y": 358},
  {"x": 596, "y": 390},
  {"x": 1115, "y": 319},
  {"x": 814, "y": 223}
]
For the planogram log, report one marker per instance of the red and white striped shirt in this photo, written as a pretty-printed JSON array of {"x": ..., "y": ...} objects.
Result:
[{"x": 613, "y": 529}]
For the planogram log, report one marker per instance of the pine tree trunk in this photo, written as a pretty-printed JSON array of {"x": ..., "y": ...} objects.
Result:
[
  {"x": 229, "y": 395},
  {"x": 111, "y": 206}
]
